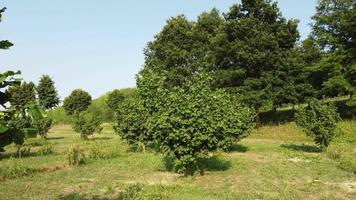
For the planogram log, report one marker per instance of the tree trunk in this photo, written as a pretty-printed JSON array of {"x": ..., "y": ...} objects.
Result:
[{"x": 258, "y": 118}]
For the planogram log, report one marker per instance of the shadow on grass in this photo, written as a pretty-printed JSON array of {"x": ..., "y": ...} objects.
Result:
[
  {"x": 303, "y": 147},
  {"x": 15, "y": 155},
  {"x": 238, "y": 148},
  {"x": 54, "y": 138},
  {"x": 210, "y": 164},
  {"x": 100, "y": 138}
]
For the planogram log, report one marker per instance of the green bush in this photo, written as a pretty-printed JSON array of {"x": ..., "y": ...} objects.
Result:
[
  {"x": 43, "y": 125},
  {"x": 319, "y": 120},
  {"x": 86, "y": 124},
  {"x": 130, "y": 122},
  {"x": 193, "y": 120},
  {"x": 75, "y": 155}
]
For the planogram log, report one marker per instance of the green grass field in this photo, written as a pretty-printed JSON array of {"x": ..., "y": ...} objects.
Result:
[{"x": 275, "y": 162}]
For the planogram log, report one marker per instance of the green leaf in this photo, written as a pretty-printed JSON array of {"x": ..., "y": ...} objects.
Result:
[
  {"x": 3, "y": 128},
  {"x": 5, "y": 44}
]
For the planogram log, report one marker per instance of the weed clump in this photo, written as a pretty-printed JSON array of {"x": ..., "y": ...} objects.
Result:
[
  {"x": 75, "y": 156},
  {"x": 14, "y": 169},
  {"x": 46, "y": 149}
]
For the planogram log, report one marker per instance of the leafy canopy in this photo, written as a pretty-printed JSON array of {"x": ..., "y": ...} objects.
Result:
[
  {"x": 114, "y": 99},
  {"x": 23, "y": 95},
  {"x": 334, "y": 31},
  {"x": 78, "y": 101}
]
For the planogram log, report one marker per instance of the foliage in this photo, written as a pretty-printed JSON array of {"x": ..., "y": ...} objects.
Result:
[
  {"x": 16, "y": 122},
  {"x": 43, "y": 125},
  {"x": 114, "y": 99},
  {"x": 22, "y": 95},
  {"x": 333, "y": 30},
  {"x": 47, "y": 93},
  {"x": 4, "y": 44},
  {"x": 193, "y": 120},
  {"x": 254, "y": 46},
  {"x": 86, "y": 124},
  {"x": 75, "y": 155},
  {"x": 78, "y": 101},
  {"x": 247, "y": 51},
  {"x": 59, "y": 116},
  {"x": 98, "y": 107},
  {"x": 319, "y": 120},
  {"x": 130, "y": 122}
]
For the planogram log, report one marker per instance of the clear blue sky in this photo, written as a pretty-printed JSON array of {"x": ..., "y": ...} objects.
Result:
[{"x": 98, "y": 45}]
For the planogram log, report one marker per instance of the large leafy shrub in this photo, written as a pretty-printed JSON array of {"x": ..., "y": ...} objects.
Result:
[
  {"x": 130, "y": 122},
  {"x": 319, "y": 120},
  {"x": 193, "y": 120}
]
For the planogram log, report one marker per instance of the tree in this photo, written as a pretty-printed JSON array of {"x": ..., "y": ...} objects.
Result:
[
  {"x": 253, "y": 47},
  {"x": 47, "y": 93},
  {"x": 23, "y": 95},
  {"x": 334, "y": 30},
  {"x": 191, "y": 120},
  {"x": 83, "y": 122},
  {"x": 319, "y": 120},
  {"x": 114, "y": 99},
  {"x": 78, "y": 101}
]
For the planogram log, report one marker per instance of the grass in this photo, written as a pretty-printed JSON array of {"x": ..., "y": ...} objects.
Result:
[{"x": 275, "y": 162}]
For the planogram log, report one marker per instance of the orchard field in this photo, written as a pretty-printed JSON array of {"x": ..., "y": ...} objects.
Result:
[
  {"x": 275, "y": 162},
  {"x": 242, "y": 103}
]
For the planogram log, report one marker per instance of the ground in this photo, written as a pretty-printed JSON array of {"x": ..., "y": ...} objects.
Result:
[{"x": 275, "y": 162}]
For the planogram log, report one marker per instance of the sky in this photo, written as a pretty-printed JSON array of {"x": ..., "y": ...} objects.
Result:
[{"x": 97, "y": 45}]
